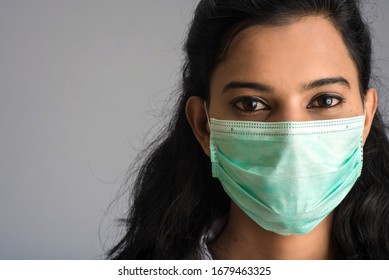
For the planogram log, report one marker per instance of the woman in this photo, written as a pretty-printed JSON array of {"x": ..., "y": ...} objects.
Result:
[{"x": 262, "y": 158}]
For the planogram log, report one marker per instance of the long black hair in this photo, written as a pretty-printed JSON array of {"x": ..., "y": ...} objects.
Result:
[{"x": 174, "y": 197}]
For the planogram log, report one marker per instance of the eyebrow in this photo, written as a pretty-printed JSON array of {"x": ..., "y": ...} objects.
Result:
[
  {"x": 326, "y": 81},
  {"x": 268, "y": 89},
  {"x": 248, "y": 85}
]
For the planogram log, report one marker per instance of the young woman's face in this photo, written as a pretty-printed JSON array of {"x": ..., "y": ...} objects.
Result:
[{"x": 297, "y": 72}]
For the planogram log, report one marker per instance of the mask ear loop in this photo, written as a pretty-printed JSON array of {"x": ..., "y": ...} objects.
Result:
[
  {"x": 206, "y": 112},
  {"x": 212, "y": 153},
  {"x": 364, "y": 105}
]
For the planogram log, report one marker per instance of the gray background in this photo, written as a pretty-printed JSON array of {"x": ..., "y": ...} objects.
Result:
[{"x": 81, "y": 84}]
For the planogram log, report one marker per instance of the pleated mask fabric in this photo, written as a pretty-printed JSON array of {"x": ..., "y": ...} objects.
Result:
[{"x": 287, "y": 176}]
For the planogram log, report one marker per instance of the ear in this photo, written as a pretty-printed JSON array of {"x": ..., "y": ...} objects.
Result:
[
  {"x": 197, "y": 118},
  {"x": 370, "y": 108}
]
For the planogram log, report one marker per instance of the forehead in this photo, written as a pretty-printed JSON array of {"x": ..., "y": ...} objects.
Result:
[{"x": 307, "y": 49}]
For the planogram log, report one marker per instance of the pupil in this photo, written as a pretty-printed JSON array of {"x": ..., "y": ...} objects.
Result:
[
  {"x": 328, "y": 101},
  {"x": 251, "y": 105}
]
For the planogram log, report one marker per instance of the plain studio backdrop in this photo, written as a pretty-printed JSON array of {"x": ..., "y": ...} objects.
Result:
[{"x": 82, "y": 83}]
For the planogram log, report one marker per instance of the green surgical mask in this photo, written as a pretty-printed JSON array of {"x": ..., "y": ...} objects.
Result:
[{"x": 287, "y": 176}]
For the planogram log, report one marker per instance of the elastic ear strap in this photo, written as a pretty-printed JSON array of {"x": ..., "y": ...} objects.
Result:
[{"x": 206, "y": 112}]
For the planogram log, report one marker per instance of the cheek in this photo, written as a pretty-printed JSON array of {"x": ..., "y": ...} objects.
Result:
[
  {"x": 219, "y": 104},
  {"x": 218, "y": 100},
  {"x": 355, "y": 105},
  {"x": 218, "y": 108}
]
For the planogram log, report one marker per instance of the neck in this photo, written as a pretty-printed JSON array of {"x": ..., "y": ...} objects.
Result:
[{"x": 242, "y": 238}]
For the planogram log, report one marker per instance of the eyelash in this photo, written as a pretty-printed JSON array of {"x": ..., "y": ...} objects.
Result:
[
  {"x": 316, "y": 98},
  {"x": 340, "y": 100},
  {"x": 243, "y": 99}
]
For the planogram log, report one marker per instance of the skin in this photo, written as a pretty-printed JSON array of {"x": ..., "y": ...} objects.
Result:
[{"x": 296, "y": 72}]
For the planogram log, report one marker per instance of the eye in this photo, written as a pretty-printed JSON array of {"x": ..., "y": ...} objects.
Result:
[
  {"x": 325, "y": 101},
  {"x": 249, "y": 104}
]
